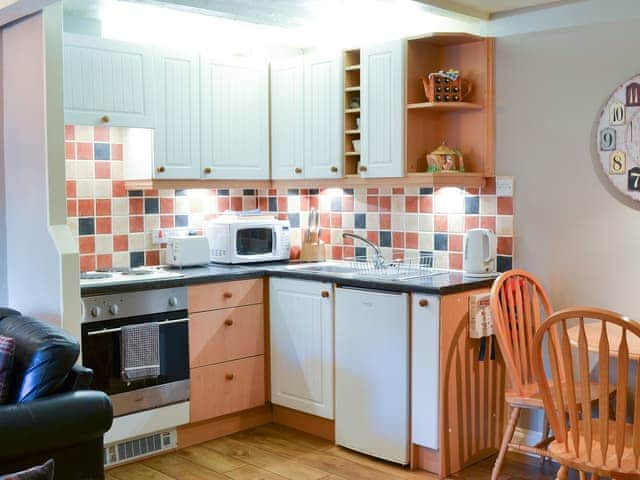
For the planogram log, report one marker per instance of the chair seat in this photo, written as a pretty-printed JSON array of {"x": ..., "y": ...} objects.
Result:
[
  {"x": 534, "y": 400},
  {"x": 597, "y": 464}
]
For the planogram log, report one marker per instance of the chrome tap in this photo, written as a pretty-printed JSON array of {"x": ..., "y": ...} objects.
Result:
[{"x": 378, "y": 259}]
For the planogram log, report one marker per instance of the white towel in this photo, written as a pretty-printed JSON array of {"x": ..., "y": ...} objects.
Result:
[{"x": 140, "y": 351}]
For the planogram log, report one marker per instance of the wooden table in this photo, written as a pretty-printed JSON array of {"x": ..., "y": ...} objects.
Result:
[{"x": 614, "y": 333}]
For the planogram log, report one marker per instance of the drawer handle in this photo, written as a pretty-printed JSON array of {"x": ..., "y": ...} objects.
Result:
[
  {"x": 207, "y": 170},
  {"x": 105, "y": 119},
  {"x": 363, "y": 168},
  {"x": 160, "y": 169},
  {"x": 228, "y": 376},
  {"x": 297, "y": 170},
  {"x": 227, "y": 294},
  {"x": 334, "y": 169},
  {"x": 228, "y": 322},
  {"x": 424, "y": 302},
  {"x": 324, "y": 294}
]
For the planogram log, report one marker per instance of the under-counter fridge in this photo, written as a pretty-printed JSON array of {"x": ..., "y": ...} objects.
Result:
[{"x": 372, "y": 372}]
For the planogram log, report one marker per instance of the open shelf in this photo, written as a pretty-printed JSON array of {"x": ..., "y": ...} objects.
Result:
[
  {"x": 352, "y": 89},
  {"x": 352, "y": 132},
  {"x": 352, "y": 84},
  {"x": 351, "y": 68},
  {"x": 352, "y": 110},
  {"x": 445, "y": 106},
  {"x": 351, "y": 154}
]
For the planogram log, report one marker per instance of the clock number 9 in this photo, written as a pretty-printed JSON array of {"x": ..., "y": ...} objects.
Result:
[{"x": 607, "y": 139}]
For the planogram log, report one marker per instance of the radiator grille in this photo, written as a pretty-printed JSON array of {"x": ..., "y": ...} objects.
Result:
[{"x": 139, "y": 447}]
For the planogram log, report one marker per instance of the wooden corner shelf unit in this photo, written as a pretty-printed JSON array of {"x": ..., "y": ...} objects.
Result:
[{"x": 351, "y": 61}]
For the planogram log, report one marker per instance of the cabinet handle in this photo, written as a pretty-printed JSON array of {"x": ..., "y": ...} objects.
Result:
[
  {"x": 228, "y": 322},
  {"x": 105, "y": 119},
  {"x": 334, "y": 169},
  {"x": 297, "y": 170},
  {"x": 363, "y": 168},
  {"x": 207, "y": 170},
  {"x": 227, "y": 294},
  {"x": 228, "y": 376},
  {"x": 324, "y": 294},
  {"x": 424, "y": 302},
  {"x": 160, "y": 169}
]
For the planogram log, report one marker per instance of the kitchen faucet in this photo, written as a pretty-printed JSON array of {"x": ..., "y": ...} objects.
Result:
[{"x": 378, "y": 259}]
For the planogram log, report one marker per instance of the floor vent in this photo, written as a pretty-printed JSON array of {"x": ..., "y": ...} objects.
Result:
[{"x": 139, "y": 447}]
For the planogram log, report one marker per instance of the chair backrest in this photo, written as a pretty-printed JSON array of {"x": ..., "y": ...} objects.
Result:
[
  {"x": 581, "y": 342},
  {"x": 519, "y": 305}
]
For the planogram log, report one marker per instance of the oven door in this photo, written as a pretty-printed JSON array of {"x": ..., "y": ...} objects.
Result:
[
  {"x": 101, "y": 352},
  {"x": 254, "y": 243}
]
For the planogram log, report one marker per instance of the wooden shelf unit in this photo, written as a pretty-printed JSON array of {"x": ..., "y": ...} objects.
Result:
[
  {"x": 351, "y": 115},
  {"x": 468, "y": 126}
]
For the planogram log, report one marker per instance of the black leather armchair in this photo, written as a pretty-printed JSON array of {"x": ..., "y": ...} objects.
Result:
[{"x": 53, "y": 415}]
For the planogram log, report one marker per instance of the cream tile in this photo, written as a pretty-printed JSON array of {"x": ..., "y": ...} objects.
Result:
[
  {"x": 412, "y": 222},
  {"x": 456, "y": 223},
  {"x": 360, "y": 204},
  {"x": 85, "y": 169},
  {"x": 116, "y": 134},
  {"x": 488, "y": 205},
  {"x": 236, "y": 192},
  {"x": 411, "y": 190},
  {"x": 102, "y": 188},
  {"x": 136, "y": 242},
  {"x": 425, "y": 241},
  {"x": 397, "y": 221},
  {"x": 196, "y": 204},
  {"x": 210, "y": 204},
  {"x": 336, "y": 236},
  {"x": 182, "y": 206},
  {"x": 120, "y": 259},
  {"x": 348, "y": 220},
  {"x": 163, "y": 256},
  {"x": 151, "y": 222},
  {"x": 293, "y": 203},
  {"x": 373, "y": 221},
  {"x": 426, "y": 222},
  {"x": 249, "y": 203},
  {"x": 295, "y": 236},
  {"x": 196, "y": 220},
  {"x": 70, "y": 169},
  {"x": 441, "y": 259},
  {"x": 84, "y": 188},
  {"x": 117, "y": 170},
  {"x": 387, "y": 253},
  {"x": 120, "y": 224},
  {"x": 385, "y": 191},
  {"x": 504, "y": 225},
  {"x": 72, "y": 222},
  {"x": 148, "y": 242},
  {"x": 104, "y": 243},
  {"x": 119, "y": 206},
  {"x": 397, "y": 203},
  {"x": 324, "y": 203},
  {"x": 84, "y": 133},
  {"x": 448, "y": 200},
  {"x": 166, "y": 192}
]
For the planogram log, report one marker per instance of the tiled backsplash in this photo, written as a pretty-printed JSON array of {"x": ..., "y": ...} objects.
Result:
[{"x": 114, "y": 226}]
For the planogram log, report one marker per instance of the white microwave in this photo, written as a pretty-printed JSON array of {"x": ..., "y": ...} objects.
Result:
[{"x": 236, "y": 239}]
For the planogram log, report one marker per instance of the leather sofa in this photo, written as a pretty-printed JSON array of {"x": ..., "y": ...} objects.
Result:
[{"x": 53, "y": 414}]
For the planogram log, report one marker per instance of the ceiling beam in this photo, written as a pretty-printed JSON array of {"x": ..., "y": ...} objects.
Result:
[{"x": 451, "y": 6}]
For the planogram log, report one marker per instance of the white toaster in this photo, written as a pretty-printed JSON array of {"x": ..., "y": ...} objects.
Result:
[{"x": 188, "y": 251}]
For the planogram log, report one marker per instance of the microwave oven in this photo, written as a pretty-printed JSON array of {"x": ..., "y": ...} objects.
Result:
[{"x": 236, "y": 239}]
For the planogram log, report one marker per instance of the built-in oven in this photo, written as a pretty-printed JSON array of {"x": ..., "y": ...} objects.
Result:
[{"x": 105, "y": 316}]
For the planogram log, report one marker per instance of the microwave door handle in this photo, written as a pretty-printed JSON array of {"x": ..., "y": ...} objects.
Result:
[{"x": 274, "y": 237}]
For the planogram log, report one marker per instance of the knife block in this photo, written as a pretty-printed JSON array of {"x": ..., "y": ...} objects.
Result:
[{"x": 313, "y": 252}]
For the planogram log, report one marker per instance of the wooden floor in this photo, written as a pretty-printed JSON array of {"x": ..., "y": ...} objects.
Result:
[{"x": 273, "y": 452}]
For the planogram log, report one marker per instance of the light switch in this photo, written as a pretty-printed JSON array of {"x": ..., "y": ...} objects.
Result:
[{"x": 504, "y": 186}]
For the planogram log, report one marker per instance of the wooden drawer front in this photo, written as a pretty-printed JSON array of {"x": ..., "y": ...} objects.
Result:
[
  {"x": 227, "y": 387},
  {"x": 228, "y": 334},
  {"x": 212, "y": 296}
]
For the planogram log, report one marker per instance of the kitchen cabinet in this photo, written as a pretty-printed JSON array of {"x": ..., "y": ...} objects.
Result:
[
  {"x": 301, "y": 333},
  {"x": 234, "y": 119},
  {"x": 382, "y": 110},
  {"x": 107, "y": 82},
  {"x": 177, "y": 134}
]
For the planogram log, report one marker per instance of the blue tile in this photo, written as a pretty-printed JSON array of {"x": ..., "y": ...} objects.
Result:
[
  {"x": 224, "y": 192},
  {"x": 385, "y": 238},
  {"x": 504, "y": 263},
  {"x": 441, "y": 241},
  {"x": 151, "y": 205},
  {"x": 248, "y": 191},
  {"x": 293, "y": 191},
  {"x": 86, "y": 226},
  {"x": 181, "y": 193},
  {"x": 361, "y": 252},
  {"x": 360, "y": 220},
  {"x": 426, "y": 191},
  {"x": 294, "y": 220},
  {"x": 135, "y": 193},
  {"x": 101, "y": 151},
  {"x": 273, "y": 204},
  {"x": 314, "y": 191},
  {"x": 136, "y": 259},
  {"x": 182, "y": 220},
  {"x": 348, "y": 191},
  {"x": 472, "y": 205},
  {"x": 336, "y": 204}
]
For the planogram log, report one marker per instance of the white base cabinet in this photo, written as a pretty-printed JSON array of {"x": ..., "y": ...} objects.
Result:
[{"x": 301, "y": 331}]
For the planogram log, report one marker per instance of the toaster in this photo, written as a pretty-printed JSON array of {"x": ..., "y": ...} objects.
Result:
[{"x": 188, "y": 251}]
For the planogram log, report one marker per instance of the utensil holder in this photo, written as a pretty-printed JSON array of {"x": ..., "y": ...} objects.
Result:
[{"x": 313, "y": 252}]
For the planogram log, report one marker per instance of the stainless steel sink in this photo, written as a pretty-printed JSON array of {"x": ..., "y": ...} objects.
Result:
[
  {"x": 392, "y": 271},
  {"x": 324, "y": 268}
]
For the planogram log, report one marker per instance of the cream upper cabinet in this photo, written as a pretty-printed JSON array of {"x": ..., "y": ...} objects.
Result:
[
  {"x": 234, "y": 119},
  {"x": 287, "y": 119},
  {"x": 382, "y": 109},
  {"x": 177, "y": 134},
  {"x": 323, "y": 100},
  {"x": 107, "y": 82}
]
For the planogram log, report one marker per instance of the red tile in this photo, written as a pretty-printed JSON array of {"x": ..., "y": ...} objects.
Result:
[
  {"x": 490, "y": 187},
  {"x": 166, "y": 221},
  {"x": 385, "y": 203},
  {"x": 488, "y": 221},
  {"x": 411, "y": 240},
  {"x": 471, "y": 221},
  {"x": 249, "y": 203},
  {"x": 166, "y": 205},
  {"x": 398, "y": 240},
  {"x": 263, "y": 203},
  {"x": 118, "y": 189},
  {"x": 411, "y": 204},
  {"x": 282, "y": 204},
  {"x": 101, "y": 134},
  {"x": 72, "y": 208},
  {"x": 336, "y": 252},
  {"x": 69, "y": 151},
  {"x": 373, "y": 236},
  {"x": 347, "y": 203},
  {"x": 84, "y": 151},
  {"x": 87, "y": 263},
  {"x": 86, "y": 208},
  {"x": 313, "y": 202},
  {"x": 69, "y": 132},
  {"x": 104, "y": 260},
  {"x": 304, "y": 203},
  {"x": 120, "y": 243},
  {"x": 273, "y": 192},
  {"x": 505, "y": 246},
  {"x": 336, "y": 220},
  {"x": 103, "y": 170},
  {"x": 116, "y": 151},
  {"x": 455, "y": 243},
  {"x": 348, "y": 240},
  {"x": 87, "y": 244},
  {"x": 294, "y": 252},
  {"x": 397, "y": 190},
  {"x": 372, "y": 203},
  {"x": 152, "y": 192},
  {"x": 103, "y": 225},
  {"x": 372, "y": 191},
  {"x": 103, "y": 207},
  {"x": 385, "y": 221},
  {"x": 441, "y": 223},
  {"x": 455, "y": 261},
  {"x": 325, "y": 235},
  {"x": 152, "y": 257},
  {"x": 426, "y": 204},
  {"x": 505, "y": 206},
  {"x": 136, "y": 224},
  {"x": 136, "y": 206},
  {"x": 398, "y": 254},
  {"x": 349, "y": 252},
  {"x": 71, "y": 189},
  {"x": 223, "y": 204},
  {"x": 236, "y": 204},
  {"x": 325, "y": 220},
  {"x": 472, "y": 190}
]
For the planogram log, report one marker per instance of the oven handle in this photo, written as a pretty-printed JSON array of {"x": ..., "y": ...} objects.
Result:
[{"x": 119, "y": 329}]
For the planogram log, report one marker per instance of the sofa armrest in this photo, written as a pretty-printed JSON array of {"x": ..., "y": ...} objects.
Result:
[
  {"x": 79, "y": 378},
  {"x": 8, "y": 312},
  {"x": 53, "y": 422}
]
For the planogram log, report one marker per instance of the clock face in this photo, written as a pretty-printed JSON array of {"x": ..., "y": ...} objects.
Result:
[{"x": 618, "y": 139}]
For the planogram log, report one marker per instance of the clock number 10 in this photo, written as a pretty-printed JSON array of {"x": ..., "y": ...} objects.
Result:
[{"x": 616, "y": 114}]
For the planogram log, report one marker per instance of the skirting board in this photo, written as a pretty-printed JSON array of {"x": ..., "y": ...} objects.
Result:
[{"x": 318, "y": 426}]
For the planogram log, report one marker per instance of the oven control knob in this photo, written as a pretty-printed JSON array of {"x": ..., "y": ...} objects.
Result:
[
  {"x": 114, "y": 309},
  {"x": 96, "y": 311},
  {"x": 173, "y": 301}
]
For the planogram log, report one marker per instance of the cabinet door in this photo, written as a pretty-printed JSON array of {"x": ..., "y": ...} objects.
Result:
[
  {"x": 235, "y": 119},
  {"x": 302, "y": 345},
  {"x": 287, "y": 119},
  {"x": 382, "y": 109},
  {"x": 107, "y": 82},
  {"x": 425, "y": 361},
  {"x": 177, "y": 134},
  {"x": 323, "y": 100}
]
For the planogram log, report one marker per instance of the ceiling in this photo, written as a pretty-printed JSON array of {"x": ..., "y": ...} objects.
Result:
[{"x": 487, "y": 8}]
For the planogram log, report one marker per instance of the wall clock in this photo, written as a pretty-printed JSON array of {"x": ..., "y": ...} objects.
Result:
[{"x": 618, "y": 138}]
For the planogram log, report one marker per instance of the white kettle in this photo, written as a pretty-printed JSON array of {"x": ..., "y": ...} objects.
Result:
[{"x": 480, "y": 246}]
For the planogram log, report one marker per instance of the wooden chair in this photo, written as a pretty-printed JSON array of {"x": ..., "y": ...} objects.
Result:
[{"x": 600, "y": 446}]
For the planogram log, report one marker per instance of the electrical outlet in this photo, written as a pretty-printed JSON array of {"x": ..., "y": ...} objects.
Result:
[
  {"x": 504, "y": 186},
  {"x": 160, "y": 235}
]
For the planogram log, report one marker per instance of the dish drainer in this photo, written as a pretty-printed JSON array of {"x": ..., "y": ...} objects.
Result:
[{"x": 400, "y": 267}]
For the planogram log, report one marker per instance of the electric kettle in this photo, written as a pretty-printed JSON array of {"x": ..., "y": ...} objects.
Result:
[{"x": 480, "y": 247}]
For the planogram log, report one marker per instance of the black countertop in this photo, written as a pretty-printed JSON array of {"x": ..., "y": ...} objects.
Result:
[{"x": 441, "y": 284}]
